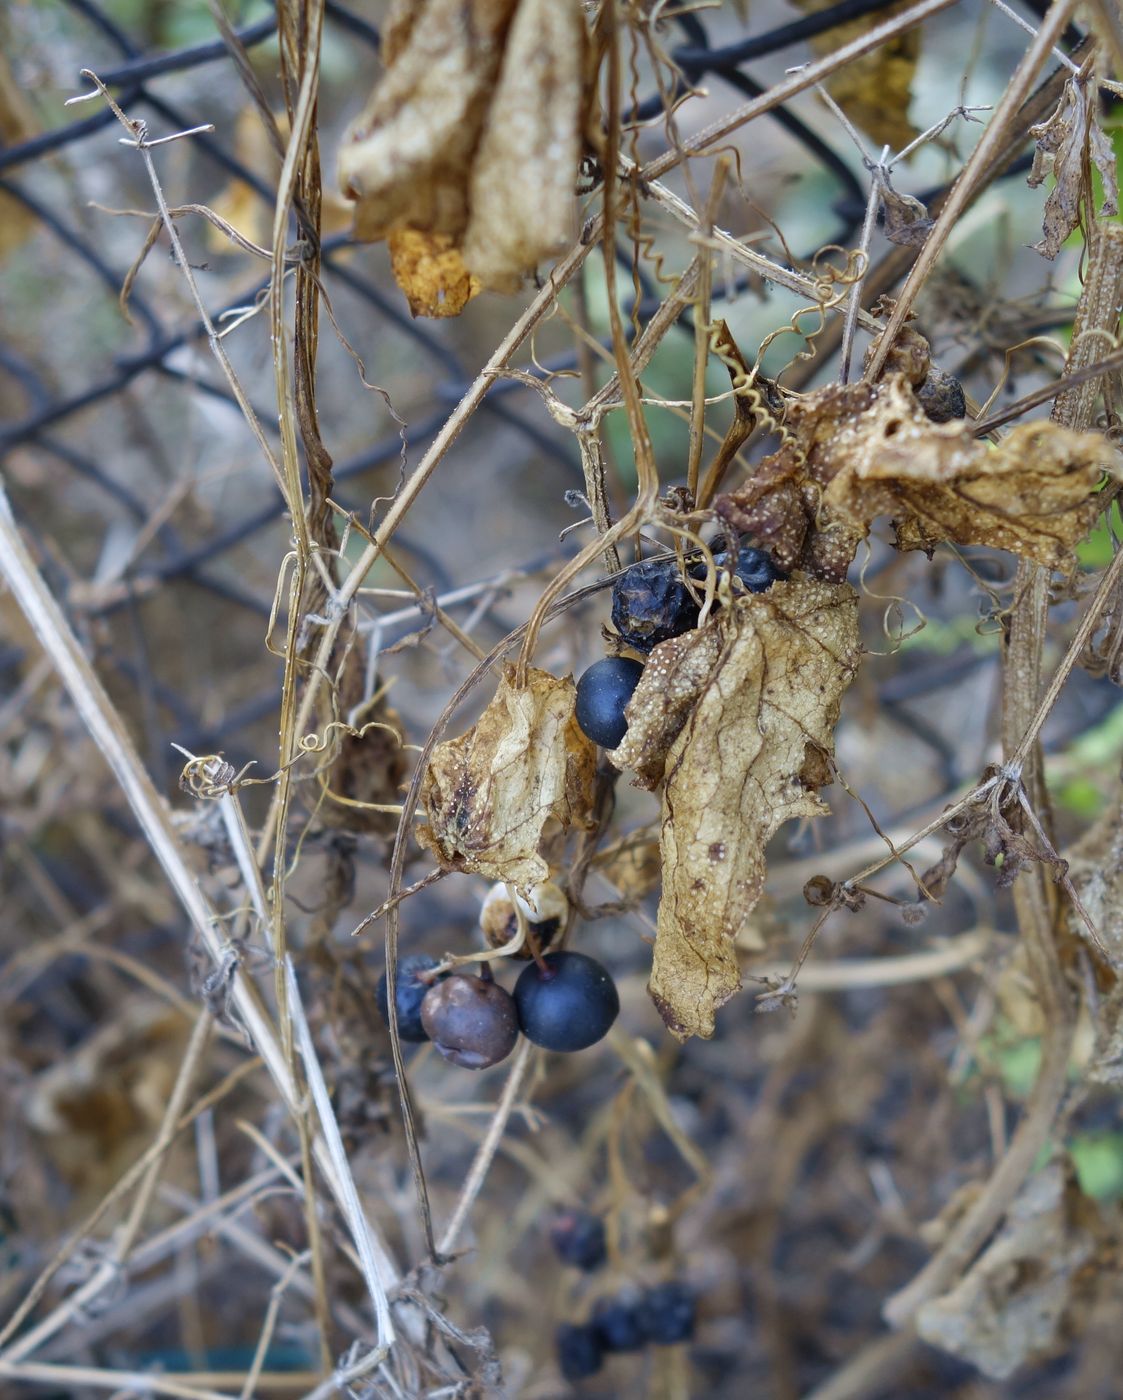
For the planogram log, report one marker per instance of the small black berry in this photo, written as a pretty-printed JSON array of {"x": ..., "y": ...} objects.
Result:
[
  {"x": 579, "y": 1351},
  {"x": 471, "y": 1021},
  {"x": 602, "y": 693},
  {"x": 941, "y": 396},
  {"x": 620, "y": 1322},
  {"x": 668, "y": 1313},
  {"x": 410, "y": 989},
  {"x": 567, "y": 1004},
  {"x": 578, "y": 1239},
  {"x": 650, "y": 603}
]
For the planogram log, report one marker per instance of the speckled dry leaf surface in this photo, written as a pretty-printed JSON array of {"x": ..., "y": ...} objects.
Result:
[
  {"x": 1065, "y": 143},
  {"x": 734, "y": 775},
  {"x": 472, "y": 134},
  {"x": 863, "y": 450},
  {"x": 492, "y": 796},
  {"x": 430, "y": 271}
]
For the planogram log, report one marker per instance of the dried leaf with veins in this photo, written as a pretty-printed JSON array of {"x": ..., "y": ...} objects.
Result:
[
  {"x": 736, "y": 772},
  {"x": 406, "y": 159},
  {"x": 521, "y": 192},
  {"x": 863, "y": 450},
  {"x": 675, "y": 675},
  {"x": 1064, "y": 143},
  {"x": 496, "y": 795}
]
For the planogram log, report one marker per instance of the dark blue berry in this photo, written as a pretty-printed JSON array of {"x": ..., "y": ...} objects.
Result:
[
  {"x": 650, "y": 603},
  {"x": 668, "y": 1313},
  {"x": 471, "y": 1020},
  {"x": 410, "y": 990},
  {"x": 602, "y": 692},
  {"x": 754, "y": 568},
  {"x": 579, "y": 1351},
  {"x": 620, "y": 1322},
  {"x": 578, "y": 1239},
  {"x": 568, "y": 1004}
]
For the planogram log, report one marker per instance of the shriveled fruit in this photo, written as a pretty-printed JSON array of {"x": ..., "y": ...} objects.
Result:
[
  {"x": 579, "y": 1350},
  {"x": 668, "y": 1312},
  {"x": 471, "y": 1021},
  {"x": 410, "y": 988},
  {"x": 567, "y": 1003},
  {"x": 620, "y": 1323},
  {"x": 650, "y": 603},
  {"x": 602, "y": 693},
  {"x": 578, "y": 1239}
]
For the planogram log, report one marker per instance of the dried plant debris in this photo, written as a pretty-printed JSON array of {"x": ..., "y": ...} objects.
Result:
[
  {"x": 745, "y": 758},
  {"x": 493, "y": 797},
  {"x": 858, "y": 451},
  {"x": 1011, "y": 1304},
  {"x": 1065, "y": 143},
  {"x": 472, "y": 134},
  {"x": 874, "y": 91},
  {"x": 430, "y": 271}
]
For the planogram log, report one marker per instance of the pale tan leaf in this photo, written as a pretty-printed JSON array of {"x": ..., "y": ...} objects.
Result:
[
  {"x": 675, "y": 675},
  {"x": 431, "y": 272},
  {"x": 493, "y": 796},
  {"x": 406, "y": 159},
  {"x": 858, "y": 451},
  {"x": 736, "y": 773},
  {"x": 1010, "y": 1305},
  {"x": 524, "y": 172}
]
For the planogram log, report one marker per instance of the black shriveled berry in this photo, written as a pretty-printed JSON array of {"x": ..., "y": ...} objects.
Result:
[
  {"x": 578, "y": 1239},
  {"x": 668, "y": 1313},
  {"x": 602, "y": 692},
  {"x": 410, "y": 989},
  {"x": 568, "y": 1004},
  {"x": 620, "y": 1322},
  {"x": 941, "y": 396},
  {"x": 471, "y": 1021},
  {"x": 650, "y": 603},
  {"x": 579, "y": 1350}
]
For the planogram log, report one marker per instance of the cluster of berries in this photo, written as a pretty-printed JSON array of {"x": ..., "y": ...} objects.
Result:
[
  {"x": 627, "y": 1321},
  {"x": 651, "y": 604},
  {"x": 562, "y": 1001},
  {"x": 631, "y": 1320}
]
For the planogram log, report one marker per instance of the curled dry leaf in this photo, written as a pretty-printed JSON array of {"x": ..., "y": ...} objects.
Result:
[
  {"x": 430, "y": 271},
  {"x": 493, "y": 797},
  {"x": 1064, "y": 142},
  {"x": 862, "y": 450},
  {"x": 472, "y": 134},
  {"x": 406, "y": 159},
  {"x": 737, "y": 770},
  {"x": 1010, "y": 1305},
  {"x": 521, "y": 192}
]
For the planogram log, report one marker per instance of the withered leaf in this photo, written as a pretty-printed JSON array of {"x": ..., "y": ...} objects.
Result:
[
  {"x": 1033, "y": 494},
  {"x": 733, "y": 777},
  {"x": 406, "y": 159},
  {"x": 857, "y": 451},
  {"x": 1071, "y": 133},
  {"x": 675, "y": 675},
  {"x": 430, "y": 271},
  {"x": 493, "y": 796},
  {"x": 1010, "y": 1305},
  {"x": 523, "y": 174},
  {"x": 906, "y": 218},
  {"x": 873, "y": 90}
]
